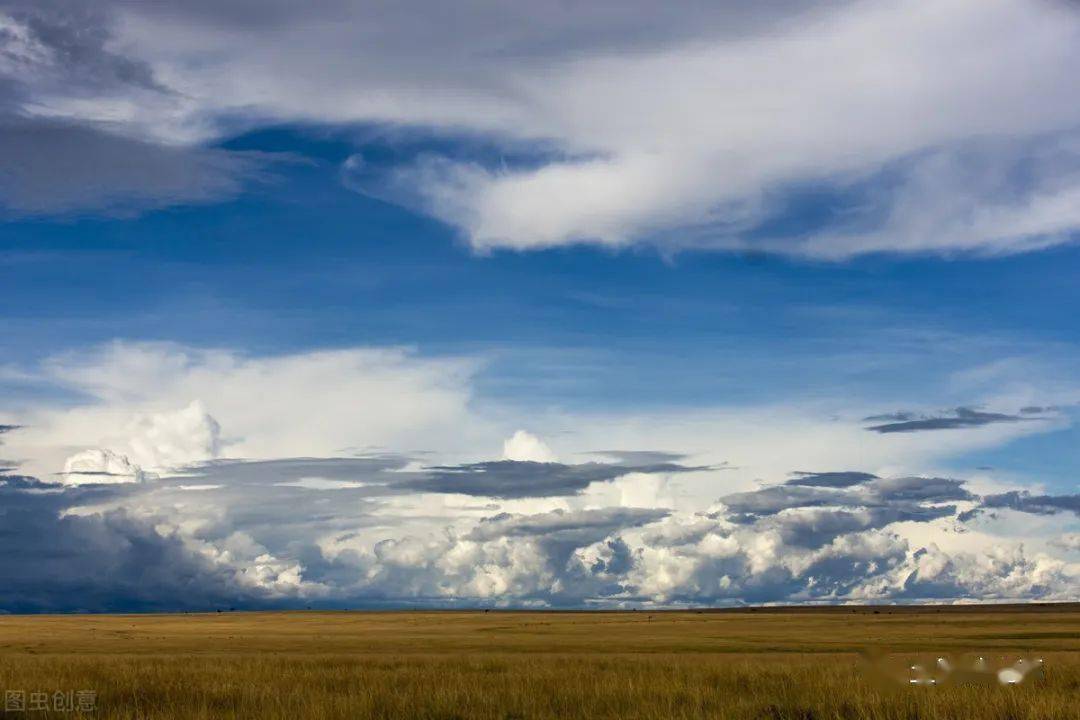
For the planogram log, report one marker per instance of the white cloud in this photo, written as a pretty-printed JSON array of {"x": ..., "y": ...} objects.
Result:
[
  {"x": 320, "y": 403},
  {"x": 966, "y": 199},
  {"x": 527, "y": 447},
  {"x": 689, "y": 131},
  {"x": 680, "y": 125},
  {"x": 305, "y": 517},
  {"x": 170, "y": 439},
  {"x": 1068, "y": 541},
  {"x": 100, "y": 466}
]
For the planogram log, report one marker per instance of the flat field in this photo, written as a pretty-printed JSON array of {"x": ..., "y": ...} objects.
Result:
[{"x": 803, "y": 664}]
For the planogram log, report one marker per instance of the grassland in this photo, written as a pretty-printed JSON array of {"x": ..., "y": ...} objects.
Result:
[{"x": 500, "y": 665}]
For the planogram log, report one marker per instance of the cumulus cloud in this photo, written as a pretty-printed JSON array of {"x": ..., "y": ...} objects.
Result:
[
  {"x": 825, "y": 544},
  {"x": 163, "y": 405},
  {"x": 524, "y": 446},
  {"x": 56, "y": 560},
  {"x": 170, "y": 439},
  {"x": 184, "y": 451},
  {"x": 999, "y": 573},
  {"x": 153, "y": 442},
  {"x": 100, "y": 466},
  {"x": 253, "y": 539}
]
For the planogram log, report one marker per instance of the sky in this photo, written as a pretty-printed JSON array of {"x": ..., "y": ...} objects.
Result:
[{"x": 547, "y": 304}]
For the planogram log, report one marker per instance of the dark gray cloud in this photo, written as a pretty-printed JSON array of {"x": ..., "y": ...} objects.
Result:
[
  {"x": 879, "y": 500},
  {"x": 747, "y": 506},
  {"x": 958, "y": 418},
  {"x": 817, "y": 527},
  {"x": 280, "y": 504},
  {"x": 839, "y": 479},
  {"x": 489, "y": 28},
  {"x": 1038, "y": 409},
  {"x": 110, "y": 561},
  {"x": 53, "y": 167},
  {"x": 917, "y": 489},
  {"x": 582, "y": 526},
  {"x": 102, "y": 474},
  {"x": 387, "y": 475},
  {"x": 64, "y": 43},
  {"x": 519, "y": 479},
  {"x": 1034, "y": 504}
]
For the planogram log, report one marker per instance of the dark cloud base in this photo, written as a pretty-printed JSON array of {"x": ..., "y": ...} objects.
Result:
[
  {"x": 517, "y": 479},
  {"x": 957, "y": 419},
  {"x": 104, "y": 562}
]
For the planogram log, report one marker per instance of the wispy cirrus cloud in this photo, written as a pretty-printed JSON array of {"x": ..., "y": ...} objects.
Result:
[{"x": 681, "y": 127}]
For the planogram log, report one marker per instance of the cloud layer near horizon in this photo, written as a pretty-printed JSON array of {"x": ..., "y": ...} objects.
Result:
[
  {"x": 205, "y": 495},
  {"x": 251, "y": 539},
  {"x": 945, "y": 128}
]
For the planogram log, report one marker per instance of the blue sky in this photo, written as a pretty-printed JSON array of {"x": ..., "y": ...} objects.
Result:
[
  {"x": 300, "y": 261},
  {"x": 527, "y": 246}
]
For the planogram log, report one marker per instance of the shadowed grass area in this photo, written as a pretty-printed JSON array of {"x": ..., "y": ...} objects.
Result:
[{"x": 500, "y": 665}]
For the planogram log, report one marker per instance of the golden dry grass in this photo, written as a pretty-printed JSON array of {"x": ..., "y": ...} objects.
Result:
[{"x": 499, "y": 665}]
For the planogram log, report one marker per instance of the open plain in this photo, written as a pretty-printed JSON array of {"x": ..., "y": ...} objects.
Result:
[{"x": 763, "y": 663}]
